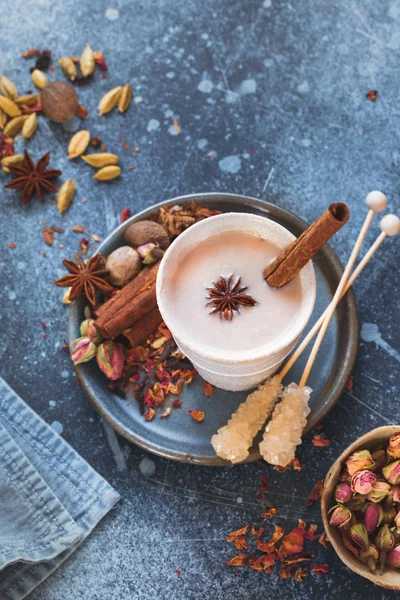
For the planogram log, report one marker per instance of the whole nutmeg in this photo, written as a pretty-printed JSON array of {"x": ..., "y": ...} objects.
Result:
[
  {"x": 123, "y": 264},
  {"x": 143, "y": 232},
  {"x": 59, "y": 101}
]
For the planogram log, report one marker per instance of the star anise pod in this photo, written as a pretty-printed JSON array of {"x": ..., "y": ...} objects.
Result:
[
  {"x": 31, "y": 178},
  {"x": 85, "y": 278},
  {"x": 226, "y": 297}
]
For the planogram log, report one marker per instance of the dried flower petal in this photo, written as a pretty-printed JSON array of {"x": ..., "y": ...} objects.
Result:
[
  {"x": 150, "y": 414},
  {"x": 238, "y": 561},
  {"x": 316, "y": 493},
  {"x": 208, "y": 389},
  {"x": 320, "y": 569},
  {"x": 293, "y": 542},
  {"x": 125, "y": 214},
  {"x": 197, "y": 415},
  {"x": 319, "y": 440},
  {"x": 269, "y": 513}
]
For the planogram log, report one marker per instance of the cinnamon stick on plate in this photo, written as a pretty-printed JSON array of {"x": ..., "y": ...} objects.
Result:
[
  {"x": 286, "y": 266},
  {"x": 131, "y": 303},
  {"x": 140, "y": 330}
]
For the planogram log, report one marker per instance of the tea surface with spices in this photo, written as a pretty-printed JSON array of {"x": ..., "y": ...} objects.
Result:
[{"x": 236, "y": 254}]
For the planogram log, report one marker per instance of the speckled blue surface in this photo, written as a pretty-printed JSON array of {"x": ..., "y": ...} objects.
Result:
[{"x": 275, "y": 91}]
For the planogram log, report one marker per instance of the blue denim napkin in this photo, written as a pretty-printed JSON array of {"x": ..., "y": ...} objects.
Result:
[{"x": 50, "y": 498}]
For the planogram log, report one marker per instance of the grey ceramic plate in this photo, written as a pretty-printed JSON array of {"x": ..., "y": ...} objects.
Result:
[{"x": 181, "y": 438}]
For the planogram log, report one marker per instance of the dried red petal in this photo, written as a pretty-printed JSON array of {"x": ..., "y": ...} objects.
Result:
[
  {"x": 238, "y": 561},
  {"x": 349, "y": 384},
  {"x": 101, "y": 62},
  {"x": 6, "y": 146},
  {"x": 263, "y": 563},
  {"x": 82, "y": 112},
  {"x": 265, "y": 546},
  {"x": 316, "y": 493},
  {"x": 264, "y": 484},
  {"x": 125, "y": 214},
  {"x": 285, "y": 574},
  {"x": 293, "y": 542},
  {"x": 297, "y": 466},
  {"x": 208, "y": 389},
  {"x": 197, "y": 415},
  {"x": 240, "y": 543},
  {"x": 301, "y": 524},
  {"x": 269, "y": 513},
  {"x": 320, "y": 440},
  {"x": 311, "y": 533},
  {"x": 372, "y": 95},
  {"x": 257, "y": 532},
  {"x": 320, "y": 569},
  {"x": 177, "y": 403},
  {"x": 12, "y": 245},
  {"x": 150, "y": 414},
  {"x": 300, "y": 574},
  {"x": 177, "y": 571},
  {"x": 287, "y": 562},
  {"x": 323, "y": 540},
  {"x": 234, "y": 534},
  {"x": 165, "y": 414}
]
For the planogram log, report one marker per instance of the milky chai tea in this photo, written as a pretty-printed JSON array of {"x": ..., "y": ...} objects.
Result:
[{"x": 232, "y": 254}]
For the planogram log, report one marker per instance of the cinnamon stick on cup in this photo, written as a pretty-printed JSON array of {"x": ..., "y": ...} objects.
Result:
[{"x": 286, "y": 266}]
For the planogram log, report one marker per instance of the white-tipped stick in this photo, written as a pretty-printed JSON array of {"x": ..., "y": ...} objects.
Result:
[
  {"x": 389, "y": 222},
  {"x": 336, "y": 298}
]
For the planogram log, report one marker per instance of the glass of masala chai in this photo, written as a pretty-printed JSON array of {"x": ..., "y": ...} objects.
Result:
[{"x": 233, "y": 327}]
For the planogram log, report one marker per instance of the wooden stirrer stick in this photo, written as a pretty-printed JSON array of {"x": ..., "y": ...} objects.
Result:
[
  {"x": 336, "y": 298},
  {"x": 379, "y": 206}
]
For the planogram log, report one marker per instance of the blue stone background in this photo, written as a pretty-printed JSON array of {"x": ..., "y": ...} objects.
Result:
[{"x": 275, "y": 91}]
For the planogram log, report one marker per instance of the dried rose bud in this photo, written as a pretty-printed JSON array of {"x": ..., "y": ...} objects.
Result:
[
  {"x": 379, "y": 491},
  {"x": 340, "y": 517},
  {"x": 393, "y": 449},
  {"x": 110, "y": 358},
  {"x": 370, "y": 556},
  {"x": 362, "y": 482},
  {"x": 361, "y": 460},
  {"x": 150, "y": 253},
  {"x": 393, "y": 558},
  {"x": 396, "y": 493},
  {"x": 392, "y": 472},
  {"x": 345, "y": 477},
  {"x": 89, "y": 330},
  {"x": 82, "y": 350},
  {"x": 373, "y": 517},
  {"x": 359, "y": 535},
  {"x": 379, "y": 458},
  {"x": 389, "y": 515},
  {"x": 342, "y": 492},
  {"x": 384, "y": 539},
  {"x": 348, "y": 543}
]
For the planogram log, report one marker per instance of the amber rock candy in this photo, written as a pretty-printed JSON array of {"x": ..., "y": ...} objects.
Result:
[
  {"x": 232, "y": 442},
  {"x": 283, "y": 432}
]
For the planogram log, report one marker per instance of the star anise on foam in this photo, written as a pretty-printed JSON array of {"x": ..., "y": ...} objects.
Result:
[
  {"x": 226, "y": 297},
  {"x": 85, "y": 278},
  {"x": 31, "y": 178}
]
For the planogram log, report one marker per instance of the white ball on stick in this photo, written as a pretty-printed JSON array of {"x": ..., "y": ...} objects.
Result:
[
  {"x": 376, "y": 201},
  {"x": 390, "y": 224}
]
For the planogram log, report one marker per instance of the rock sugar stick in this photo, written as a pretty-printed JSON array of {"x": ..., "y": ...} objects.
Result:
[{"x": 283, "y": 433}]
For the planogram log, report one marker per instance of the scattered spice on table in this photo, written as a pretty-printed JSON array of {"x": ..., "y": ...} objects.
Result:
[
  {"x": 287, "y": 551},
  {"x": 33, "y": 178},
  {"x": 372, "y": 95}
]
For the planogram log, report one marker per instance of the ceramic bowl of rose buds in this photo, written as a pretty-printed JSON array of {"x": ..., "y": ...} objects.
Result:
[{"x": 360, "y": 506}]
